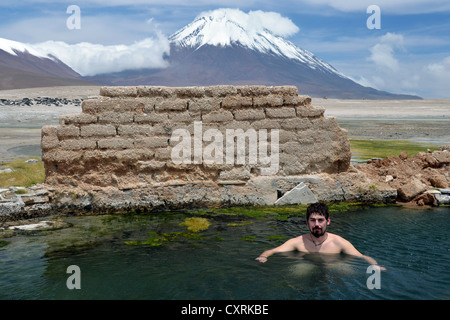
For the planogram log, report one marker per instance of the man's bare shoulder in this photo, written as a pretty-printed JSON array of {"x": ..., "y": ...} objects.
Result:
[
  {"x": 337, "y": 239},
  {"x": 344, "y": 244}
]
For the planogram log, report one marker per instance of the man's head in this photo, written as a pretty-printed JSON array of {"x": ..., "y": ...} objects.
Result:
[{"x": 317, "y": 219}]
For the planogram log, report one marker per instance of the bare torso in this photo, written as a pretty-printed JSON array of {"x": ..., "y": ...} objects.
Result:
[{"x": 332, "y": 244}]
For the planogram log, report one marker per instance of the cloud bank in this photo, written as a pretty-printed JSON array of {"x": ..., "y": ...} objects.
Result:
[{"x": 90, "y": 59}]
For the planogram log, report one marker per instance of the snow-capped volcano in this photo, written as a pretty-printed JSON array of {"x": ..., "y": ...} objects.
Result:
[
  {"x": 229, "y": 46},
  {"x": 256, "y": 30}
]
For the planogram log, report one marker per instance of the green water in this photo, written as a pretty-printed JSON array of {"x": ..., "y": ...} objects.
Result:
[{"x": 413, "y": 245}]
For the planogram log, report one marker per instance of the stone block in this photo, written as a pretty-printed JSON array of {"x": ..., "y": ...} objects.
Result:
[
  {"x": 116, "y": 117},
  {"x": 134, "y": 130},
  {"x": 185, "y": 116},
  {"x": 78, "y": 144},
  {"x": 253, "y": 91},
  {"x": 172, "y": 105},
  {"x": 77, "y": 119},
  {"x": 95, "y": 106},
  {"x": 65, "y": 132},
  {"x": 309, "y": 111},
  {"x": 49, "y": 138},
  {"x": 266, "y": 124},
  {"x": 295, "y": 124},
  {"x": 282, "y": 112},
  {"x": 154, "y": 91},
  {"x": 237, "y": 101},
  {"x": 114, "y": 92},
  {"x": 301, "y": 194},
  {"x": 272, "y": 100},
  {"x": 190, "y": 92},
  {"x": 205, "y": 104},
  {"x": 249, "y": 114},
  {"x": 217, "y": 116},
  {"x": 115, "y": 143},
  {"x": 144, "y": 118},
  {"x": 151, "y": 142},
  {"x": 221, "y": 91},
  {"x": 304, "y": 100},
  {"x": 98, "y": 130}
]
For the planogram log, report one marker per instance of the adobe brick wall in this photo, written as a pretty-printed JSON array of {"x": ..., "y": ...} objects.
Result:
[{"x": 123, "y": 139}]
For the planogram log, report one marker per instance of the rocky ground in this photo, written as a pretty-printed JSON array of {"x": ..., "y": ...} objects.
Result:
[{"x": 423, "y": 179}]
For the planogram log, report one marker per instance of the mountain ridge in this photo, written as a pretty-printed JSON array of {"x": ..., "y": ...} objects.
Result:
[{"x": 21, "y": 66}]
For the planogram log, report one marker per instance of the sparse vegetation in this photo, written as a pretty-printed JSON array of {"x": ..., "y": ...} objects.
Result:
[
  {"x": 22, "y": 174},
  {"x": 368, "y": 149}
]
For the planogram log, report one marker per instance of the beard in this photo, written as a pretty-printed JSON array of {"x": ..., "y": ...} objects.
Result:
[{"x": 318, "y": 232}]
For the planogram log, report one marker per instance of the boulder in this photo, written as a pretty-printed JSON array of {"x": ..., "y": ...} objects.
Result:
[{"x": 410, "y": 190}]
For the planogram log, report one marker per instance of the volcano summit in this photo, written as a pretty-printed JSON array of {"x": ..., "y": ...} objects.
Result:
[{"x": 228, "y": 46}]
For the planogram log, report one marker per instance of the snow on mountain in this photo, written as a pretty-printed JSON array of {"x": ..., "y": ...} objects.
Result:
[
  {"x": 12, "y": 47},
  {"x": 25, "y": 66},
  {"x": 257, "y": 30}
]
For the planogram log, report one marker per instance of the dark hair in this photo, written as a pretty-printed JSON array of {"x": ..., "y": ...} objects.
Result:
[{"x": 319, "y": 208}]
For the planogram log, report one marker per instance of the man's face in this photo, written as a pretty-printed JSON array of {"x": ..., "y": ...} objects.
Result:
[{"x": 317, "y": 224}]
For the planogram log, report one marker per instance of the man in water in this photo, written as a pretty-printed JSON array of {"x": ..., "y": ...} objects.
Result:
[{"x": 318, "y": 240}]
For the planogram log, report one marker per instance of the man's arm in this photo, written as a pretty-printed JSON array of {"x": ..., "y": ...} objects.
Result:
[
  {"x": 348, "y": 248},
  {"x": 285, "y": 247}
]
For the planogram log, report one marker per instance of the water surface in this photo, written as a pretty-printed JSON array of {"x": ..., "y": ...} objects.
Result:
[{"x": 412, "y": 244}]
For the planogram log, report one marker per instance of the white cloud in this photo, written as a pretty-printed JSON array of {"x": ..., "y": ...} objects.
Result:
[
  {"x": 382, "y": 53},
  {"x": 90, "y": 59},
  {"x": 425, "y": 75},
  {"x": 439, "y": 69},
  {"x": 255, "y": 21},
  {"x": 435, "y": 78},
  {"x": 272, "y": 21}
]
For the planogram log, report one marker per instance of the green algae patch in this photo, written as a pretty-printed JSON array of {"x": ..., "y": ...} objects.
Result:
[
  {"x": 275, "y": 212},
  {"x": 195, "y": 224},
  {"x": 4, "y": 243},
  {"x": 239, "y": 224},
  {"x": 156, "y": 240},
  {"x": 276, "y": 237}
]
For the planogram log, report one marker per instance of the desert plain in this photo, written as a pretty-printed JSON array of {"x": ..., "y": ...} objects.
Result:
[{"x": 426, "y": 121}]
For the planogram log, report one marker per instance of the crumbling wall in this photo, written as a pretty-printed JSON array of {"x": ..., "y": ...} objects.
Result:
[{"x": 150, "y": 137}]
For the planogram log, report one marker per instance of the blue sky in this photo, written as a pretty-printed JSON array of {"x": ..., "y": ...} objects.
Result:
[{"x": 410, "y": 53}]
